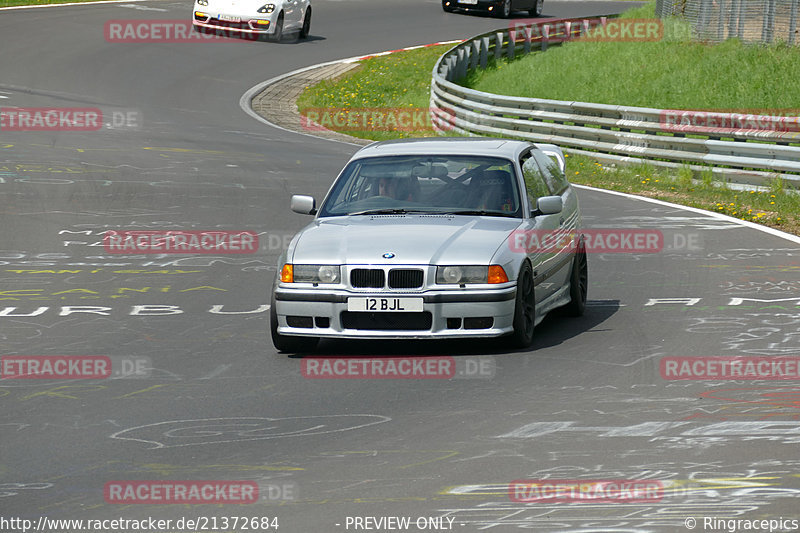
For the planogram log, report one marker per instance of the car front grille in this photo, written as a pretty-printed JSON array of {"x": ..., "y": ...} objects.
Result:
[
  {"x": 403, "y": 278},
  {"x": 232, "y": 25},
  {"x": 387, "y": 321},
  {"x": 362, "y": 278}
]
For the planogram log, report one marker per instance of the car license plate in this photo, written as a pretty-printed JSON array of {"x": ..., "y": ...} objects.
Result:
[
  {"x": 385, "y": 305},
  {"x": 229, "y": 18},
  {"x": 473, "y": 2}
]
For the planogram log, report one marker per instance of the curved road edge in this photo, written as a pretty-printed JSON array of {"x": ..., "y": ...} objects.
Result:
[{"x": 272, "y": 102}]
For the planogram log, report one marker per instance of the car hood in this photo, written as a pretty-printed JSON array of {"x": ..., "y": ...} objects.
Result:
[{"x": 413, "y": 239}]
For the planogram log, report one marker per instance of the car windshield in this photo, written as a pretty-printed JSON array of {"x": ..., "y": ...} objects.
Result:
[{"x": 458, "y": 185}]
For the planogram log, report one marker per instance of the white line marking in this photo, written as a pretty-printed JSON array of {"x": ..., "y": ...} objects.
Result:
[
  {"x": 71, "y": 4},
  {"x": 142, "y": 8},
  {"x": 720, "y": 216}
]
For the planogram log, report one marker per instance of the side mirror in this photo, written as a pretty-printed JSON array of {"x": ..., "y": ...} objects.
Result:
[
  {"x": 548, "y": 205},
  {"x": 305, "y": 205}
]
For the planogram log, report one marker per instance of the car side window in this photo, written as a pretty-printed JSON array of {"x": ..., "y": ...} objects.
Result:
[
  {"x": 534, "y": 180},
  {"x": 555, "y": 179}
]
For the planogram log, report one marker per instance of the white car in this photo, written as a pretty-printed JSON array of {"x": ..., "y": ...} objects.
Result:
[{"x": 253, "y": 18}]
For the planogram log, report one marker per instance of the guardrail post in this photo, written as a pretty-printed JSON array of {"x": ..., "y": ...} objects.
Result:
[
  {"x": 451, "y": 68},
  {"x": 498, "y": 45},
  {"x": 545, "y": 36},
  {"x": 586, "y": 26},
  {"x": 484, "y": 52},
  {"x": 512, "y": 43},
  {"x": 461, "y": 70},
  {"x": 475, "y": 50},
  {"x": 526, "y": 32}
]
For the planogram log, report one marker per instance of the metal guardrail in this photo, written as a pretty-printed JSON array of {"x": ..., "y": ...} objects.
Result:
[{"x": 610, "y": 133}]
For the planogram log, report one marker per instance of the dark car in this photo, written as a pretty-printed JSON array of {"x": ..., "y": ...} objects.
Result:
[{"x": 498, "y": 8}]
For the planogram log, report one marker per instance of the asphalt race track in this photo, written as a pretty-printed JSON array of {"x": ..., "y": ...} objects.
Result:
[{"x": 587, "y": 402}]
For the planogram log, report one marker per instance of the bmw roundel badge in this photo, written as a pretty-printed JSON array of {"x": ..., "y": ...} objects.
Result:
[{"x": 388, "y": 255}]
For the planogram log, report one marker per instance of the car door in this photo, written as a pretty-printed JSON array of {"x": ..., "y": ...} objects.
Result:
[
  {"x": 540, "y": 231},
  {"x": 568, "y": 221}
]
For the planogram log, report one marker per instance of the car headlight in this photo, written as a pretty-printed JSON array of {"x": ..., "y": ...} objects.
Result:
[
  {"x": 462, "y": 274},
  {"x": 328, "y": 274},
  {"x": 266, "y": 8},
  {"x": 202, "y": 2}
]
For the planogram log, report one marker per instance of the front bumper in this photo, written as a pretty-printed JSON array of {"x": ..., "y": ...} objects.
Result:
[
  {"x": 244, "y": 26},
  {"x": 483, "y": 6},
  {"x": 446, "y": 314}
]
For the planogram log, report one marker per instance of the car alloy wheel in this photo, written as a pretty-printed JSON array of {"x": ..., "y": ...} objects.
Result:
[
  {"x": 579, "y": 283},
  {"x": 537, "y": 9},
  {"x": 524, "y": 309}
]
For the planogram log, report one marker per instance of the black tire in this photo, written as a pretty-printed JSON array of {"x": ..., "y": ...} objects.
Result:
[
  {"x": 306, "y": 29},
  {"x": 278, "y": 35},
  {"x": 447, "y": 9},
  {"x": 578, "y": 283},
  {"x": 505, "y": 10},
  {"x": 536, "y": 10},
  {"x": 524, "y": 309},
  {"x": 285, "y": 343}
]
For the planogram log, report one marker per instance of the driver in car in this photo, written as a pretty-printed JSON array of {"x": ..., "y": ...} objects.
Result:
[{"x": 397, "y": 188}]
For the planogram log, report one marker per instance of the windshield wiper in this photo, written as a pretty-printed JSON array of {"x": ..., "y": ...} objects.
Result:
[{"x": 481, "y": 213}]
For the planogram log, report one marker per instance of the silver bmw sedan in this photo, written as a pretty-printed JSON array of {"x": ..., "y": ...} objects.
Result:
[{"x": 434, "y": 238}]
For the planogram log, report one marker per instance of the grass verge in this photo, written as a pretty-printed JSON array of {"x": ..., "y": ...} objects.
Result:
[
  {"x": 674, "y": 73},
  {"x": 775, "y": 207},
  {"x": 402, "y": 80},
  {"x": 385, "y": 91}
]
